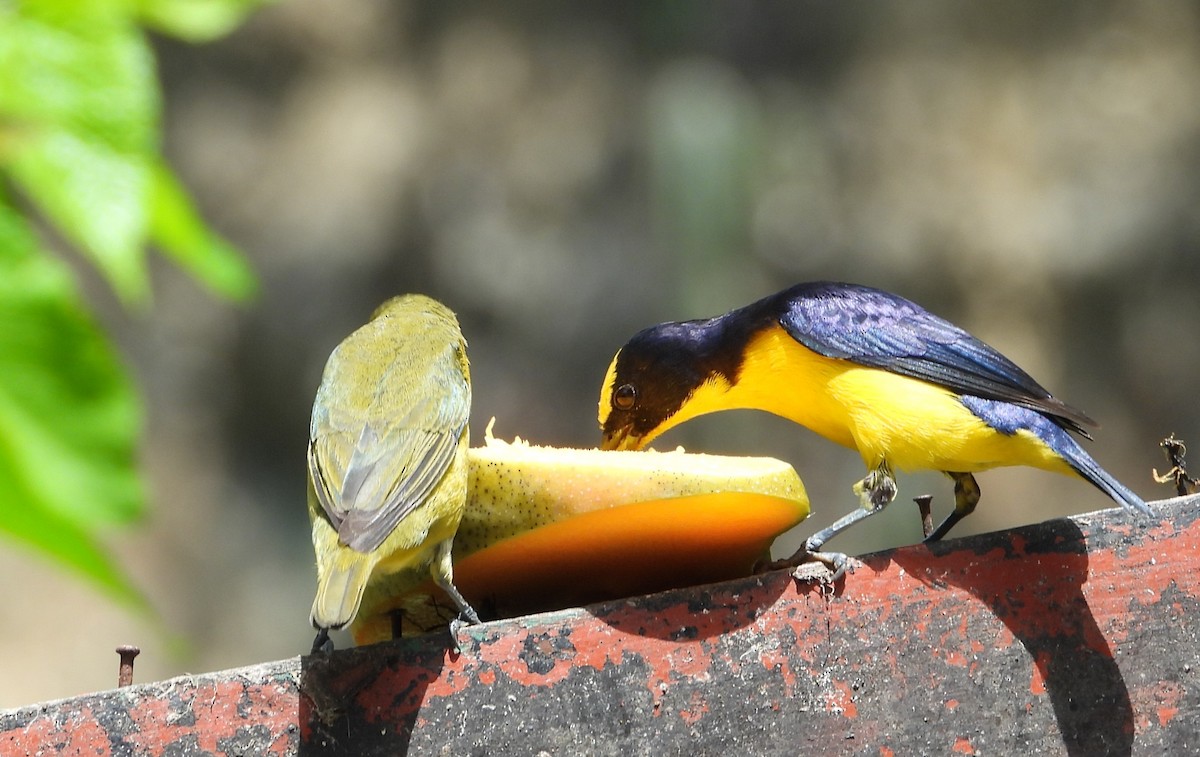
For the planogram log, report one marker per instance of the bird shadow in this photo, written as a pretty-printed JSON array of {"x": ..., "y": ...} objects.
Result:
[
  {"x": 366, "y": 700},
  {"x": 1036, "y": 590},
  {"x": 697, "y": 612}
]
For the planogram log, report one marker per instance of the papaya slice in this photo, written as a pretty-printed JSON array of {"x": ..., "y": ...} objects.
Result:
[{"x": 547, "y": 528}]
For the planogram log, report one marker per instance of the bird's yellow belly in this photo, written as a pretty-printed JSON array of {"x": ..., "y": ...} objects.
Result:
[
  {"x": 405, "y": 556},
  {"x": 910, "y": 423}
]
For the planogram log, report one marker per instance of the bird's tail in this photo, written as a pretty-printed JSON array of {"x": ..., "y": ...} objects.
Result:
[
  {"x": 1009, "y": 419},
  {"x": 1085, "y": 466},
  {"x": 340, "y": 592}
]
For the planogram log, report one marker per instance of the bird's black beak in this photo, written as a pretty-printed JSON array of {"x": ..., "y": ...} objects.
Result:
[{"x": 620, "y": 438}]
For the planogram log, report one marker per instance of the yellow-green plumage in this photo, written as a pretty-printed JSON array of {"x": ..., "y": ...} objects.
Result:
[{"x": 387, "y": 454}]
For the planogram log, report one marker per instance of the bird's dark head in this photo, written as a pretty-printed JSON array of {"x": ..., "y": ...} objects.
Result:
[{"x": 660, "y": 378}]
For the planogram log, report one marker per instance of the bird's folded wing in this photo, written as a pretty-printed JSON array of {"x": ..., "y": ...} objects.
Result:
[
  {"x": 381, "y": 482},
  {"x": 876, "y": 329},
  {"x": 369, "y": 471}
]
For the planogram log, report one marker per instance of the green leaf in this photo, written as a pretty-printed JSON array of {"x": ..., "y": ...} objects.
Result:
[
  {"x": 83, "y": 102},
  {"x": 98, "y": 199},
  {"x": 178, "y": 230},
  {"x": 196, "y": 20},
  {"x": 96, "y": 79},
  {"x": 87, "y": 11},
  {"x": 69, "y": 419},
  {"x": 79, "y": 132},
  {"x": 63, "y": 540}
]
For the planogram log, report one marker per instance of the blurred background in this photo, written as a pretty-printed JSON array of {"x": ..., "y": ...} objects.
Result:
[{"x": 563, "y": 176}]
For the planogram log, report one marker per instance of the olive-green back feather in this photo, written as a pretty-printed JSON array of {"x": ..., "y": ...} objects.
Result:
[{"x": 392, "y": 406}]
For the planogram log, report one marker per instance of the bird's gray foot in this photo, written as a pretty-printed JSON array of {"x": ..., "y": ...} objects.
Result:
[
  {"x": 966, "y": 497},
  {"x": 322, "y": 644}
]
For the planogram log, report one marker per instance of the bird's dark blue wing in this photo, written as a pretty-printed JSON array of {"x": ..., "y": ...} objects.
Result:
[{"x": 876, "y": 328}]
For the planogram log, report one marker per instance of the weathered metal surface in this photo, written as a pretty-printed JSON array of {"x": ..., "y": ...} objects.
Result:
[
  {"x": 250, "y": 711},
  {"x": 1075, "y": 636}
]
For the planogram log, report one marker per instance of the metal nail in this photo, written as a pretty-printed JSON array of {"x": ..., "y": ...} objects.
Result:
[
  {"x": 924, "y": 505},
  {"x": 125, "y": 674}
]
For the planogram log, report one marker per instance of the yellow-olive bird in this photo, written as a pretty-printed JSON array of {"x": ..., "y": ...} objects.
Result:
[{"x": 387, "y": 457}]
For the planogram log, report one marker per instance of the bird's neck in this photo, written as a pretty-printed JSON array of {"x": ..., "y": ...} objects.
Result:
[{"x": 779, "y": 375}]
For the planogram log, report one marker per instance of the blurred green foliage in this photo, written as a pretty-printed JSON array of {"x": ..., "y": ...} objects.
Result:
[{"x": 79, "y": 157}]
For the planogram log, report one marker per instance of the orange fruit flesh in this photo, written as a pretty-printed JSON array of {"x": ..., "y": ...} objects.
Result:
[{"x": 621, "y": 551}]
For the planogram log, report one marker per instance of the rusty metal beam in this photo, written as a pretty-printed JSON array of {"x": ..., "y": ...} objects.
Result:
[{"x": 1074, "y": 636}]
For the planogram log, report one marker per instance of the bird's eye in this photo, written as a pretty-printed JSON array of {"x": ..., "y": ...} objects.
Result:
[{"x": 624, "y": 397}]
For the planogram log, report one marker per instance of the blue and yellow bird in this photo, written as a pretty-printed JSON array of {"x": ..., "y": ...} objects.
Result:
[{"x": 864, "y": 368}]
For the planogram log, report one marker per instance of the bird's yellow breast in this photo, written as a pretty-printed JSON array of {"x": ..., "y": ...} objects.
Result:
[{"x": 913, "y": 424}]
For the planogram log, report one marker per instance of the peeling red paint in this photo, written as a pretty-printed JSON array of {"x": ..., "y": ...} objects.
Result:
[
  {"x": 841, "y": 700},
  {"x": 777, "y": 661},
  {"x": 698, "y": 707},
  {"x": 687, "y": 660},
  {"x": 1073, "y": 623},
  {"x": 1160, "y": 702},
  {"x": 1166, "y": 715},
  {"x": 206, "y": 715},
  {"x": 955, "y": 658},
  {"x": 1037, "y": 681}
]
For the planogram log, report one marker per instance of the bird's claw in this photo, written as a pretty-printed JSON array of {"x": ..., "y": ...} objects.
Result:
[
  {"x": 459, "y": 623},
  {"x": 877, "y": 490},
  {"x": 322, "y": 644},
  {"x": 838, "y": 564}
]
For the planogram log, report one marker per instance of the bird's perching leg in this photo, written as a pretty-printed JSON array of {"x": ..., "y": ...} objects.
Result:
[
  {"x": 322, "y": 644},
  {"x": 966, "y": 496},
  {"x": 443, "y": 572},
  {"x": 875, "y": 492}
]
